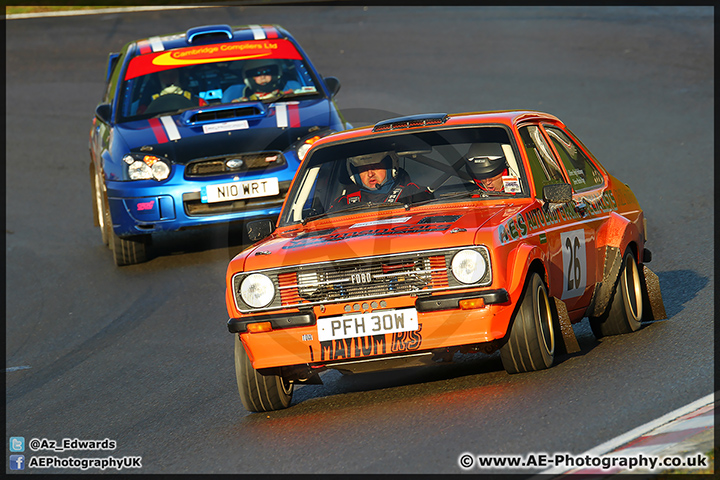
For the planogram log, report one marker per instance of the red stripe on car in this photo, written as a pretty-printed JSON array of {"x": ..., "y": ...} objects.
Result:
[
  {"x": 158, "y": 130},
  {"x": 271, "y": 32},
  {"x": 293, "y": 112},
  {"x": 144, "y": 47}
]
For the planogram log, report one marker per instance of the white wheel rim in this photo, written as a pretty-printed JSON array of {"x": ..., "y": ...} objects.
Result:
[
  {"x": 547, "y": 333},
  {"x": 99, "y": 203},
  {"x": 633, "y": 290}
]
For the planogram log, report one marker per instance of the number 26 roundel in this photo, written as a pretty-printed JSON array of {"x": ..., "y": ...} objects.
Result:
[{"x": 574, "y": 263}]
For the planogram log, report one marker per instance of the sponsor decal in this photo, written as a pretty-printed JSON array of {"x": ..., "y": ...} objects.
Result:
[
  {"x": 360, "y": 347},
  {"x": 511, "y": 184},
  {"x": 521, "y": 225},
  {"x": 145, "y": 205},
  {"x": 226, "y": 126},
  {"x": 416, "y": 229},
  {"x": 223, "y": 52}
]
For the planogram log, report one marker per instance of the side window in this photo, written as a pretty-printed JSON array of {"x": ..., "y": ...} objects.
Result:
[
  {"x": 543, "y": 166},
  {"x": 581, "y": 171}
]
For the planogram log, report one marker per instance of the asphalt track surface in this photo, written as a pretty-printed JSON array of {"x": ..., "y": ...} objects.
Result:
[{"x": 141, "y": 354}]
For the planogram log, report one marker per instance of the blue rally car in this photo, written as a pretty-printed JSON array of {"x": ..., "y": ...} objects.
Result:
[{"x": 202, "y": 127}]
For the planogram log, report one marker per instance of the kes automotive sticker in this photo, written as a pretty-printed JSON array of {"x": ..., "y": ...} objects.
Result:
[{"x": 520, "y": 225}]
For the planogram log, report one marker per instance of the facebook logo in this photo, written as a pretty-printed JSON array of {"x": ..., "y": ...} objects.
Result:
[
  {"x": 17, "y": 444},
  {"x": 17, "y": 462}
]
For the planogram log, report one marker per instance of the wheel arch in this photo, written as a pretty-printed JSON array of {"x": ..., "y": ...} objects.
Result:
[{"x": 618, "y": 235}]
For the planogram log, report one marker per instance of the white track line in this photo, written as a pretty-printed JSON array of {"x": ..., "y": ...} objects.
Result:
[
  {"x": 70, "y": 13},
  {"x": 616, "y": 442}
]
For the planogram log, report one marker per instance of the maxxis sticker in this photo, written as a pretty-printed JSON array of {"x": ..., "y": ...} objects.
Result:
[{"x": 574, "y": 263}]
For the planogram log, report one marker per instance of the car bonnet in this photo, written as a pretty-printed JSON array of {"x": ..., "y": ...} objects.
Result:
[
  {"x": 362, "y": 236},
  {"x": 256, "y": 127}
]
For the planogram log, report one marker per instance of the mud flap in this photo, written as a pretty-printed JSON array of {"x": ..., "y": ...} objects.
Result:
[
  {"x": 568, "y": 334},
  {"x": 653, "y": 297},
  {"x": 605, "y": 289}
]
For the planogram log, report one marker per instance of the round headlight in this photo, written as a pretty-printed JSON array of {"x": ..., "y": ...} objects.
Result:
[
  {"x": 302, "y": 151},
  {"x": 139, "y": 171},
  {"x": 160, "y": 170},
  {"x": 257, "y": 290},
  {"x": 468, "y": 266}
]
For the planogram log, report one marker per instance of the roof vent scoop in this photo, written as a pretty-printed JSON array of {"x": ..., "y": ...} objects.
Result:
[
  {"x": 208, "y": 32},
  {"x": 423, "y": 120}
]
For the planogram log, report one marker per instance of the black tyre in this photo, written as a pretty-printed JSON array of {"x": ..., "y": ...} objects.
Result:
[
  {"x": 259, "y": 393},
  {"x": 531, "y": 344},
  {"x": 100, "y": 207},
  {"x": 625, "y": 312},
  {"x": 129, "y": 250}
]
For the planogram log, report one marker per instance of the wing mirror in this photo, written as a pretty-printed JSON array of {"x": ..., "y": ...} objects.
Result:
[
  {"x": 103, "y": 112},
  {"x": 333, "y": 84},
  {"x": 259, "y": 229}
]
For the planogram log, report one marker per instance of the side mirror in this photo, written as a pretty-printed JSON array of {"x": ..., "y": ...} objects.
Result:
[
  {"x": 259, "y": 229},
  {"x": 333, "y": 84},
  {"x": 557, "y": 193},
  {"x": 103, "y": 112}
]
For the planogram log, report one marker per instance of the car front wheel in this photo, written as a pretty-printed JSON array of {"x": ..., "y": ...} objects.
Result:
[
  {"x": 259, "y": 393},
  {"x": 102, "y": 215},
  {"x": 531, "y": 344}
]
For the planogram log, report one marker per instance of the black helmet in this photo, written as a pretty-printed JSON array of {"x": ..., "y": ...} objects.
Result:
[
  {"x": 485, "y": 160},
  {"x": 254, "y": 68}
]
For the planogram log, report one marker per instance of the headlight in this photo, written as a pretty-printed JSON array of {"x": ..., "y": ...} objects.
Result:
[
  {"x": 468, "y": 266},
  {"x": 257, "y": 290},
  {"x": 146, "y": 167},
  {"x": 303, "y": 149}
]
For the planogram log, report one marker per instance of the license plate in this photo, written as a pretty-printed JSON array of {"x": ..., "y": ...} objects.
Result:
[
  {"x": 224, "y": 192},
  {"x": 366, "y": 324}
]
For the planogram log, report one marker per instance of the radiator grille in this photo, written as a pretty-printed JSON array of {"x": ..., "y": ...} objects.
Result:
[
  {"x": 236, "y": 163},
  {"x": 361, "y": 279}
]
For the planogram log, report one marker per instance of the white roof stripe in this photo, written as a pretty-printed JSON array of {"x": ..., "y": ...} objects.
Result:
[
  {"x": 156, "y": 44},
  {"x": 258, "y": 32}
]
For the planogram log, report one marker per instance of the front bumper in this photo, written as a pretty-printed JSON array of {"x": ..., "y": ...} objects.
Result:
[
  {"x": 146, "y": 206},
  {"x": 294, "y": 338}
]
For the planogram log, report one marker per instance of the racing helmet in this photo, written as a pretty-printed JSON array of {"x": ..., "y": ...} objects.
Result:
[
  {"x": 254, "y": 68},
  {"x": 388, "y": 159},
  {"x": 485, "y": 160}
]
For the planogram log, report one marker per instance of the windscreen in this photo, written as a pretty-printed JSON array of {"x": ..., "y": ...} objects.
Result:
[
  {"x": 166, "y": 82},
  {"x": 474, "y": 163}
]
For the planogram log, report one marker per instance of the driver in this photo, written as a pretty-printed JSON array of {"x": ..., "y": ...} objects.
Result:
[
  {"x": 486, "y": 165},
  {"x": 378, "y": 179},
  {"x": 263, "y": 79},
  {"x": 170, "y": 82}
]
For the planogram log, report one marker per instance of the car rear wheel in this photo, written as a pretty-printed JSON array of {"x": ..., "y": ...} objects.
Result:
[
  {"x": 259, "y": 393},
  {"x": 626, "y": 307},
  {"x": 531, "y": 345}
]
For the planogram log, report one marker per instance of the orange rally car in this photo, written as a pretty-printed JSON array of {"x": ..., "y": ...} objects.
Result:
[{"x": 406, "y": 242}]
